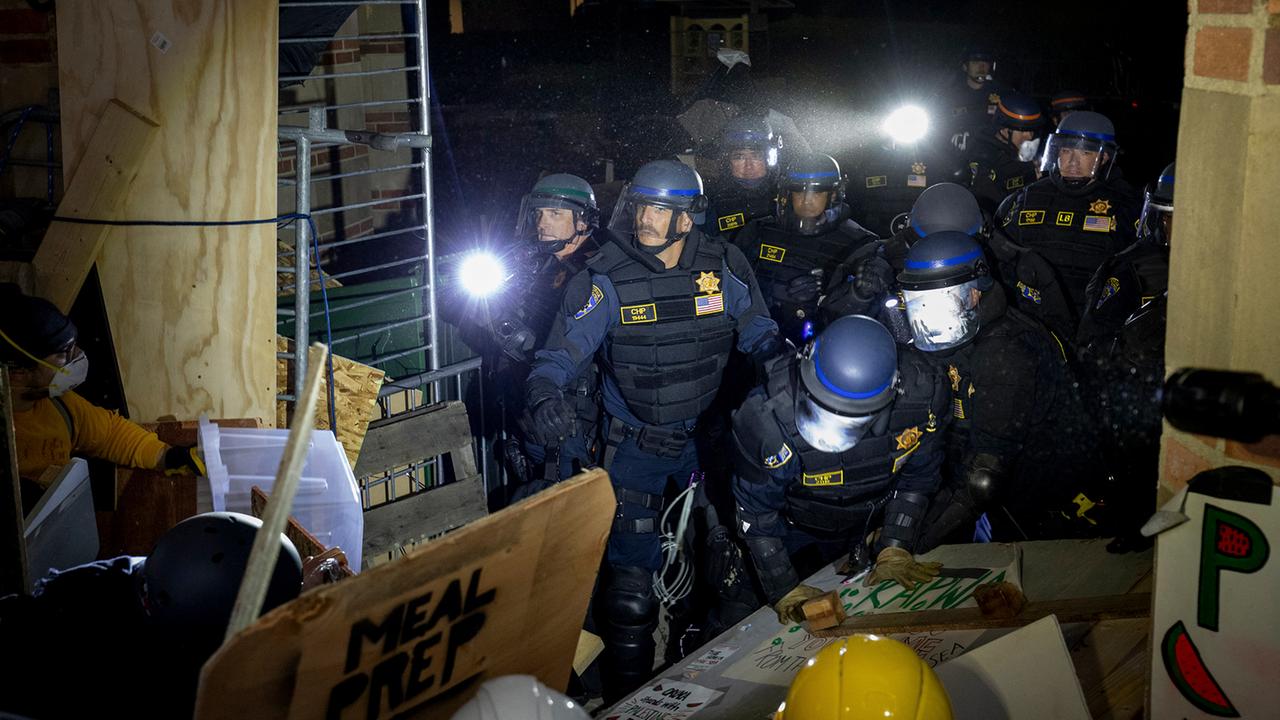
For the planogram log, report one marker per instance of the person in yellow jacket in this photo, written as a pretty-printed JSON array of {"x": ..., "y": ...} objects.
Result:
[{"x": 51, "y": 422}]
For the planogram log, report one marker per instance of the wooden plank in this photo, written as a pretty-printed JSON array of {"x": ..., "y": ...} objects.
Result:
[
  {"x": 1111, "y": 662},
  {"x": 192, "y": 309},
  {"x": 1094, "y": 609},
  {"x": 414, "y": 436},
  {"x": 355, "y": 389},
  {"x": 13, "y": 543},
  {"x": 508, "y": 594},
  {"x": 421, "y": 514},
  {"x": 102, "y": 182},
  {"x": 302, "y": 539}
]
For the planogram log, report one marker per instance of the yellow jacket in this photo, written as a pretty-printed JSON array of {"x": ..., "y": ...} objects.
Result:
[{"x": 43, "y": 438}]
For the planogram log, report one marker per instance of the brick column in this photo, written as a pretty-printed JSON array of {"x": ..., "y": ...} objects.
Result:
[{"x": 1224, "y": 282}]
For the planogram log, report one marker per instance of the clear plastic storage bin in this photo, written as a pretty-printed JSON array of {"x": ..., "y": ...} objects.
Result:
[{"x": 328, "y": 500}]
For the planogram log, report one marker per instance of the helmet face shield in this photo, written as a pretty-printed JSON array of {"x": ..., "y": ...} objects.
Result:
[
  {"x": 1156, "y": 220},
  {"x": 549, "y": 231},
  {"x": 943, "y": 318},
  {"x": 1077, "y": 156},
  {"x": 826, "y": 430}
]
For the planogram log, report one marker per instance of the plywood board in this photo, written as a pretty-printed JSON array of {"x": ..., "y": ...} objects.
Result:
[
  {"x": 355, "y": 389},
  {"x": 112, "y": 158},
  {"x": 192, "y": 309},
  {"x": 414, "y": 637}
]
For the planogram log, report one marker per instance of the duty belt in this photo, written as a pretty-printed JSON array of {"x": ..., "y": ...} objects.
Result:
[{"x": 660, "y": 441}]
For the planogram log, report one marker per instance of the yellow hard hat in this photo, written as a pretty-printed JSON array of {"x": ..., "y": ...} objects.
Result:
[{"x": 862, "y": 677}]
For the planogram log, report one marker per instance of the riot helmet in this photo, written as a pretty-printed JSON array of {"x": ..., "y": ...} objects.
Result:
[
  {"x": 810, "y": 193},
  {"x": 551, "y": 213},
  {"x": 947, "y": 206},
  {"x": 1018, "y": 123},
  {"x": 518, "y": 697},
  {"x": 848, "y": 374},
  {"x": 978, "y": 66},
  {"x": 1081, "y": 150},
  {"x": 192, "y": 577},
  {"x": 1065, "y": 102},
  {"x": 943, "y": 277},
  {"x": 1157, "y": 209},
  {"x": 750, "y": 148},
  {"x": 663, "y": 197}
]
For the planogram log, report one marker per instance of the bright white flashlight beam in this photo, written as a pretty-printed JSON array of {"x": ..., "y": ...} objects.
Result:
[
  {"x": 482, "y": 274},
  {"x": 907, "y": 124}
]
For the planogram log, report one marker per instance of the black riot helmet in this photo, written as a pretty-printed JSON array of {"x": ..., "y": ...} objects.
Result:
[
  {"x": 938, "y": 279},
  {"x": 667, "y": 184},
  {"x": 31, "y": 328},
  {"x": 1064, "y": 102},
  {"x": 947, "y": 206},
  {"x": 1019, "y": 112},
  {"x": 848, "y": 373},
  {"x": 750, "y": 132},
  {"x": 809, "y": 173},
  {"x": 563, "y": 192},
  {"x": 1083, "y": 134},
  {"x": 193, "y": 575},
  {"x": 979, "y": 54},
  {"x": 1157, "y": 208}
]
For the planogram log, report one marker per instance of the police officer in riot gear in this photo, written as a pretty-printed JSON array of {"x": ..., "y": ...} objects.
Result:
[
  {"x": 662, "y": 307},
  {"x": 1012, "y": 404},
  {"x": 842, "y": 439},
  {"x": 744, "y": 191},
  {"x": 1065, "y": 102},
  {"x": 1136, "y": 275},
  {"x": 971, "y": 101},
  {"x": 1004, "y": 158},
  {"x": 795, "y": 252},
  {"x": 1073, "y": 218}
]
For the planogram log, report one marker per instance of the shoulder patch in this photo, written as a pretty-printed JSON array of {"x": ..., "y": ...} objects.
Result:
[
  {"x": 1109, "y": 289},
  {"x": 596, "y": 296},
  {"x": 780, "y": 458}
]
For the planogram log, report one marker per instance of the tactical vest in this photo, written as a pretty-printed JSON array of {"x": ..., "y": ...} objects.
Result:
[
  {"x": 1074, "y": 234},
  {"x": 888, "y": 187},
  {"x": 836, "y": 493},
  {"x": 779, "y": 256},
  {"x": 733, "y": 206},
  {"x": 670, "y": 349}
]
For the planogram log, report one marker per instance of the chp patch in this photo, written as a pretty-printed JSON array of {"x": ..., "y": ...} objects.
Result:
[
  {"x": 876, "y": 181},
  {"x": 635, "y": 314},
  {"x": 826, "y": 479},
  {"x": 1109, "y": 290},
  {"x": 731, "y": 222},
  {"x": 1031, "y": 217},
  {"x": 596, "y": 296},
  {"x": 780, "y": 458},
  {"x": 772, "y": 253}
]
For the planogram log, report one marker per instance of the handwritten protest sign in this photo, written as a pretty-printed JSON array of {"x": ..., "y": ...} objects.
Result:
[
  {"x": 664, "y": 700},
  {"x": 777, "y": 660}
]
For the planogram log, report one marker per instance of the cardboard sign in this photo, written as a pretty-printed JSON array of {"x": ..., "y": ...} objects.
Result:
[
  {"x": 664, "y": 700},
  {"x": 415, "y": 637},
  {"x": 1216, "y": 622}
]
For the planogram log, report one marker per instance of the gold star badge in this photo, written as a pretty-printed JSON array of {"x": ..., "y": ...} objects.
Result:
[
  {"x": 908, "y": 438},
  {"x": 993, "y": 98},
  {"x": 918, "y": 168},
  {"x": 708, "y": 282},
  {"x": 954, "y": 374},
  {"x": 1100, "y": 207}
]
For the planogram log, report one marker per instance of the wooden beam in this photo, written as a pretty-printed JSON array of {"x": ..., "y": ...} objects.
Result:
[
  {"x": 112, "y": 158},
  {"x": 1089, "y": 609},
  {"x": 13, "y": 543},
  {"x": 421, "y": 514},
  {"x": 414, "y": 436}
]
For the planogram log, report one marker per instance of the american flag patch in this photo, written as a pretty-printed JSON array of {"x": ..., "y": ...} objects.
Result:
[
  {"x": 708, "y": 304},
  {"x": 1097, "y": 223}
]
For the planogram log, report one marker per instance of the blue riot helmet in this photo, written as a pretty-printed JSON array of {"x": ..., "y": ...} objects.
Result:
[
  {"x": 559, "y": 191},
  {"x": 801, "y": 206},
  {"x": 754, "y": 137},
  {"x": 943, "y": 277},
  {"x": 666, "y": 185},
  {"x": 1022, "y": 118},
  {"x": 947, "y": 206},
  {"x": 1157, "y": 209},
  {"x": 1081, "y": 150},
  {"x": 848, "y": 374}
]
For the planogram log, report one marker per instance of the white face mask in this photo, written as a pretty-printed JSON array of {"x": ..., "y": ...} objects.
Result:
[
  {"x": 1029, "y": 149},
  {"x": 69, "y": 376}
]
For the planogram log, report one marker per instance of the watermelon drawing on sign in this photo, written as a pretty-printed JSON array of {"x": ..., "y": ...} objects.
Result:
[{"x": 1188, "y": 673}]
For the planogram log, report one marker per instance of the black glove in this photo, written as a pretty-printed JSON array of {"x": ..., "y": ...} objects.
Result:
[
  {"x": 873, "y": 278},
  {"x": 182, "y": 461},
  {"x": 555, "y": 420},
  {"x": 802, "y": 289}
]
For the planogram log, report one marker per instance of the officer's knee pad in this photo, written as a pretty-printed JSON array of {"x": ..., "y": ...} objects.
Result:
[
  {"x": 983, "y": 479},
  {"x": 629, "y": 599}
]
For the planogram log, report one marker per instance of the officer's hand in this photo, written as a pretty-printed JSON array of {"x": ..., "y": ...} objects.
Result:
[
  {"x": 874, "y": 277},
  {"x": 555, "y": 419},
  {"x": 803, "y": 289},
  {"x": 788, "y": 608},
  {"x": 182, "y": 461},
  {"x": 899, "y": 565}
]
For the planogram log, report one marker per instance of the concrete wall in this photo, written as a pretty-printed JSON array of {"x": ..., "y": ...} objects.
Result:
[{"x": 1224, "y": 284}]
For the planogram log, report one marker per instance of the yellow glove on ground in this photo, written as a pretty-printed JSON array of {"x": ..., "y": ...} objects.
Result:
[
  {"x": 788, "y": 608},
  {"x": 899, "y": 565}
]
